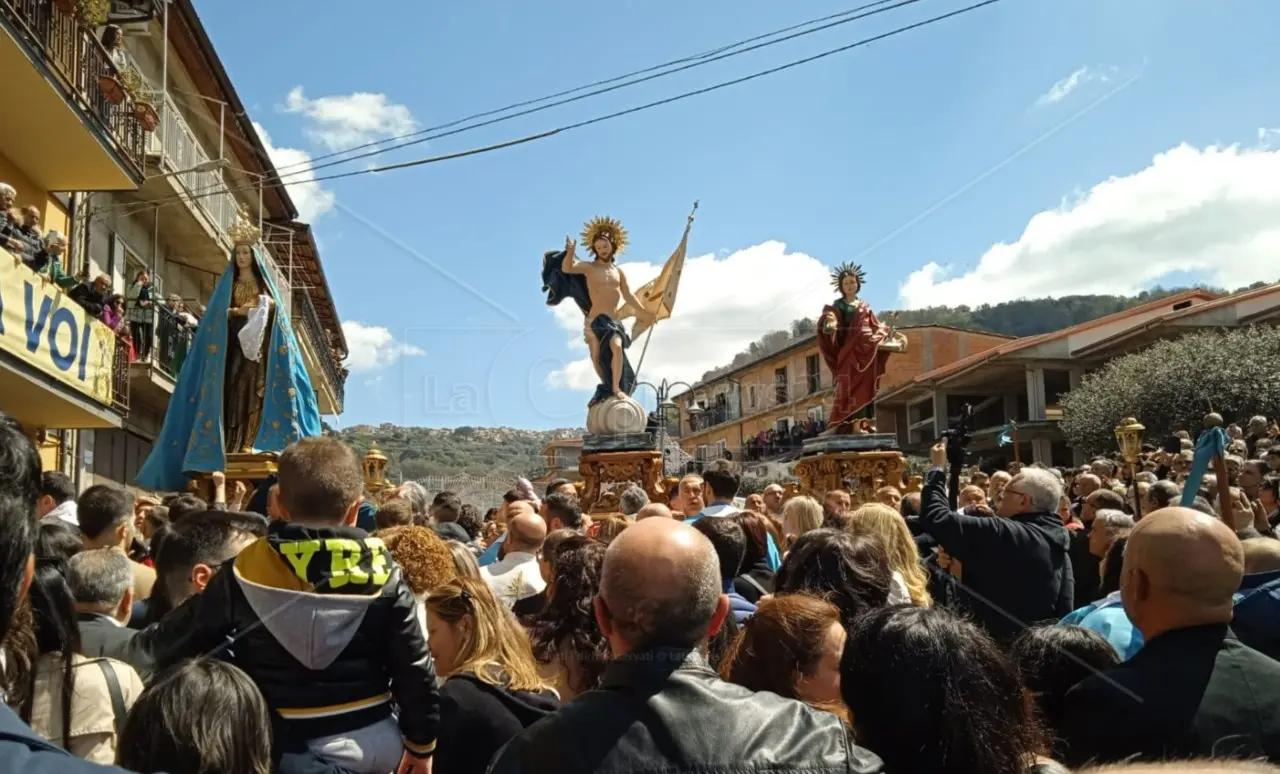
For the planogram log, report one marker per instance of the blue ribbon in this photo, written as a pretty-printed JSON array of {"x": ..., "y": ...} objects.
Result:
[
  {"x": 1006, "y": 436},
  {"x": 1212, "y": 443}
]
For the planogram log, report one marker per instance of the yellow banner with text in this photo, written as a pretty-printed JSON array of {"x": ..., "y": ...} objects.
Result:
[{"x": 41, "y": 326}]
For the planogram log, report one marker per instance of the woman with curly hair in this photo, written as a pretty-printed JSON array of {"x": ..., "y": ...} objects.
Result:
[
  {"x": 425, "y": 560},
  {"x": 910, "y": 581},
  {"x": 492, "y": 689},
  {"x": 567, "y": 641}
]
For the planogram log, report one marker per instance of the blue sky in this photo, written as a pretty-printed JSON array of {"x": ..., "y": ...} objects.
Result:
[{"x": 982, "y": 144}]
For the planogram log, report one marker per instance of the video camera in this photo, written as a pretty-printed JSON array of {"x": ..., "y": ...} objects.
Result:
[{"x": 958, "y": 435}]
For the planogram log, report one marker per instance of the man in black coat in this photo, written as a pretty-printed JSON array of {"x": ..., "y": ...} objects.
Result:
[
  {"x": 101, "y": 582},
  {"x": 1193, "y": 690},
  {"x": 1017, "y": 570},
  {"x": 659, "y": 706}
]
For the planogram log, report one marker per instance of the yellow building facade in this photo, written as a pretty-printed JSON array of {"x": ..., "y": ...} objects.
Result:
[
  {"x": 60, "y": 369},
  {"x": 133, "y": 198}
]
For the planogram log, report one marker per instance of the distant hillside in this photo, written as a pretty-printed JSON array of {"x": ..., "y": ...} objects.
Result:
[
  {"x": 418, "y": 452},
  {"x": 1026, "y": 317}
]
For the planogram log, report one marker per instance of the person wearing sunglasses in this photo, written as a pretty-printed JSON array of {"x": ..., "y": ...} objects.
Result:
[{"x": 1017, "y": 568}]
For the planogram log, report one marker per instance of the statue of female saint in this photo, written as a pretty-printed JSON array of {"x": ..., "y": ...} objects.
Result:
[
  {"x": 855, "y": 346},
  {"x": 245, "y": 389},
  {"x": 248, "y": 318}
]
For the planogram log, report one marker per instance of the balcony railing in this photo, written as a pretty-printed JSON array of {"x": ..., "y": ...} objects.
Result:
[
  {"x": 304, "y": 312},
  {"x": 120, "y": 377},
  {"x": 169, "y": 344},
  {"x": 78, "y": 60},
  {"x": 178, "y": 149}
]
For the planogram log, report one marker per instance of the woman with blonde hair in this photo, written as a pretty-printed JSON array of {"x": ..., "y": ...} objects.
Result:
[
  {"x": 492, "y": 689},
  {"x": 888, "y": 525},
  {"x": 800, "y": 515}
]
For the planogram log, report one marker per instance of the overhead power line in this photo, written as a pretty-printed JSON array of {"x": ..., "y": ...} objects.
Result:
[
  {"x": 448, "y": 130},
  {"x": 705, "y": 55},
  {"x": 616, "y": 114}
]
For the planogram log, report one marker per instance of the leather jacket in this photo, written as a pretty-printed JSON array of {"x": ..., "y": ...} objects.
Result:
[{"x": 666, "y": 710}]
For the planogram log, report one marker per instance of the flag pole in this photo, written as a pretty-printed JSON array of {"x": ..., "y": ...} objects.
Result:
[{"x": 648, "y": 336}]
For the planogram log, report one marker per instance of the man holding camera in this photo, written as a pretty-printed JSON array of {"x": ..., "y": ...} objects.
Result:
[{"x": 1017, "y": 569}]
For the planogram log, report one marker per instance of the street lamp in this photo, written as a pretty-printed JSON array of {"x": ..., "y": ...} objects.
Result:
[
  {"x": 1129, "y": 436},
  {"x": 668, "y": 412}
]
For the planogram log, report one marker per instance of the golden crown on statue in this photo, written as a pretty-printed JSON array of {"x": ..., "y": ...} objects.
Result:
[{"x": 245, "y": 230}]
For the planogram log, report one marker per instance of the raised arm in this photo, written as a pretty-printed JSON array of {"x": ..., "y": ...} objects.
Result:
[{"x": 569, "y": 265}]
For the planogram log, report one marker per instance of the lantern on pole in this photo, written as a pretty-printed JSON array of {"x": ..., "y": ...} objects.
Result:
[
  {"x": 375, "y": 467},
  {"x": 1129, "y": 436}
]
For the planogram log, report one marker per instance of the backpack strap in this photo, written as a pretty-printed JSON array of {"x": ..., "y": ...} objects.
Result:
[
  {"x": 755, "y": 584},
  {"x": 117, "y": 694}
]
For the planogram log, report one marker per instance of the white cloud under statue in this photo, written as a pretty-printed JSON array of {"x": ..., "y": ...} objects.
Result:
[
  {"x": 720, "y": 309},
  {"x": 344, "y": 121},
  {"x": 372, "y": 347},
  {"x": 1213, "y": 211},
  {"x": 294, "y": 166}
]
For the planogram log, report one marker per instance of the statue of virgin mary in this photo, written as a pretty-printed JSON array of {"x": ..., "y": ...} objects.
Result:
[{"x": 245, "y": 388}]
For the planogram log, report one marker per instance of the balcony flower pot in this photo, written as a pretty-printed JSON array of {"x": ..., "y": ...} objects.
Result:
[
  {"x": 66, "y": 6},
  {"x": 147, "y": 116},
  {"x": 91, "y": 13},
  {"x": 111, "y": 88}
]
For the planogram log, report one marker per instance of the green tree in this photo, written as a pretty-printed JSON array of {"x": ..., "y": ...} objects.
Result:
[{"x": 1171, "y": 385}]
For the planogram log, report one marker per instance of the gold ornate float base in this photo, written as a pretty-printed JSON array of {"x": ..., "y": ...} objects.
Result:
[
  {"x": 250, "y": 468},
  {"x": 606, "y": 475},
  {"x": 860, "y": 473}
]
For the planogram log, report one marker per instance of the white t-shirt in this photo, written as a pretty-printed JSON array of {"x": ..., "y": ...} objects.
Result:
[{"x": 514, "y": 577}]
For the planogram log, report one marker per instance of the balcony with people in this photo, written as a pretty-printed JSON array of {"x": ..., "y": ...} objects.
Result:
[
  {"x": 68, "y": 127},
  {"x": 161, "y": 329},
  {"x": 64, "y": 347}
]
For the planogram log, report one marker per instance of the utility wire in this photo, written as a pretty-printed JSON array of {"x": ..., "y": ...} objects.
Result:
[
  {"x": 620, "y": 113},
  {"x": 604, "y": 82},
  {"x": 422, "y": 137},
  {"x": 433, "y": 133}
]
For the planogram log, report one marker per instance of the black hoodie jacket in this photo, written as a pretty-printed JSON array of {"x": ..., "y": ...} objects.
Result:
[
  {"x": 323, "y": 622},
  {"x": 478, "y": 718},
  {"x": 1017, "y": 571}
]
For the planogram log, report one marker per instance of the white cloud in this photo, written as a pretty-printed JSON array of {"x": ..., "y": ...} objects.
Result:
[
  {"x": 311, "y": 198},
  {"x": 1210, "y": 210},
  {"x": 372, "y": 347},
  {"x": 723, "y": 305},
  {"x": 1063, "y": 88},
  {"x": 347, "y": 120},
  {"x": 1267, "y": 136}
]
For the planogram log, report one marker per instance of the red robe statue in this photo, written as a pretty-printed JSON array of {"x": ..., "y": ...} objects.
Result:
[{"x": 854, "y": 356}]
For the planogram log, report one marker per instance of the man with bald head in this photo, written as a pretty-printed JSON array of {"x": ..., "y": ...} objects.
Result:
[
  {"x": 1194, "y": 690},
  {"x": 995, "y": 487},
  {"x": 773, "y": 495},
  {"x": 659, "y": 705},
  {"x": 654, "y": 510},
  {"x": 513, "y": 503},
  {"x": 515, "y": 576}
]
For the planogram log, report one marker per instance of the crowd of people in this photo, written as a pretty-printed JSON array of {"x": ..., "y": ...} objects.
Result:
[
  {"x": 136, "y": 316},
  {"x": 1047, "y": 619}
]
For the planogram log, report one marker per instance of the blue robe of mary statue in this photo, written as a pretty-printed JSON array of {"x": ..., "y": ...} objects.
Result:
[{"x": 192, "y": 440}]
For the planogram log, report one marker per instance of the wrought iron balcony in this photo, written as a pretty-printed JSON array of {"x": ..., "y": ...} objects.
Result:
[
  {"x": 305, "y": 315},
  {"x": 77, "y": 61}
]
